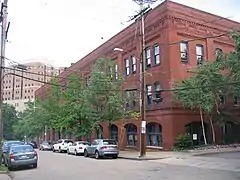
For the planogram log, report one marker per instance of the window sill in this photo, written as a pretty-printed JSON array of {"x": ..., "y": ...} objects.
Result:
[
  {"x": 155, "y": 65},
  {"x": 154, "y": 147}
]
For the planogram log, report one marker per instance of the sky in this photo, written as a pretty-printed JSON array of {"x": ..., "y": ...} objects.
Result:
[{"x": 61, "y": 32}]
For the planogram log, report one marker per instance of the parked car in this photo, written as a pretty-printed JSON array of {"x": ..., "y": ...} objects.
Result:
[
  {"x": 102, "y": 147},
  {"x": 6, "y": 147},
  {"x": 62, "y": 145},
  {"x": 77, "y": 147},
  {"x": 45, "y": 146},
  {"x": 33, "y": 144},
  {"x": 21, "y": 155}
]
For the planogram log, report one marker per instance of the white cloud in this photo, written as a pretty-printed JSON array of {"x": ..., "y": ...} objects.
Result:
[{"x": 64, "y": 31}]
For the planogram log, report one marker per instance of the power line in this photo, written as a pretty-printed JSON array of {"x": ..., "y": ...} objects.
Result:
[{"x": 63, "y": 86}]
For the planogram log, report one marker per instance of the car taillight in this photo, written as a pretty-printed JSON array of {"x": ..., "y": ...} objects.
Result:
[
  {"x": 104, "y": 147},
  {"x": 80, "y": 147},
  {"x": 35, "y": 154},
  {"x": 11, "y": 156}
]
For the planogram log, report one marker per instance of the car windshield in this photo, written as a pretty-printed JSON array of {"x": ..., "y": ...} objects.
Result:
[
  {"x": 8, "y": 144},
  {"x": 84, "y": 143},
  {"x": 68, "y": 141},
  {"x": 109, "y": 142},
  {"x": 46, "y": 143},
  {"x": 21, "y": 149}
]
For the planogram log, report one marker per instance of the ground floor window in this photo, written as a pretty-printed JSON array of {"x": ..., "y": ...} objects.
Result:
[
  {"x": 114, "y": 132},
  {"x": 154, "y": 134},
  {"x": 131, "y": 131}
]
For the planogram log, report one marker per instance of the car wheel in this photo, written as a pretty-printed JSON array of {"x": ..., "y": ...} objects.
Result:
[
  {"x": 68, "y": 151},
  {"x": 85, "y": 153},
  {"x": 3, "y": 160},
  {"x": 75, "y": 153},
  {"x": 59, "y": 150},
  {"x": 35, "y": 165},
  {"x": 115, "y": 156},
  {"x": 97, "y": 156}
]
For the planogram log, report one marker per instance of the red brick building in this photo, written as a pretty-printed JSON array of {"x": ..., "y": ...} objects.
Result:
[{"x": 177, "y": 38}]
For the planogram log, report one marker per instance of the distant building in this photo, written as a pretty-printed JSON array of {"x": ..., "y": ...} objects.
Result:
[{"x": 18, "y": 90}]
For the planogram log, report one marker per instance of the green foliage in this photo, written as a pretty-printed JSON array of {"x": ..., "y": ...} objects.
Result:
[
  {"x": 104, "y": 91},
  {"x": 183, "y": 142},
  {"x": 9, "y": 118},
  {"x": 30, "y": 123}
]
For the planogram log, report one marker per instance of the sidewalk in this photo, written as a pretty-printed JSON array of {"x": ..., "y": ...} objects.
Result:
[
  {"x": 134, "y": 155},
  {"x": 4, "y": 177}
]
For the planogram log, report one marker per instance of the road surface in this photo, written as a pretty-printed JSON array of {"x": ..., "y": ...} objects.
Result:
[{"x": 58, "y": 166}]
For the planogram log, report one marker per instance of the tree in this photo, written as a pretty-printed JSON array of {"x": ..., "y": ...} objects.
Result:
[
  {"x": 104, "y": 92},
  {"x": 197, "y": 99},
  {"x": 9, "y": 118},
  {"x": 30, "y": 122},
  {"x": 78, "y": 115}
]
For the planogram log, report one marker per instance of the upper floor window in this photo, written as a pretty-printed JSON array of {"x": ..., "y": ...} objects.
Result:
[
  {"x": 131, "y": 98},
  {"x": 116, "y": 71},
  {"x": 149, "y": 94},
  {"x": 157, "y": 92},
  {"x": 218, "y": 54},
  {"x": 156, "y": 51},
  {"x": 134, "y": 65},
  {"x": 236, "y": 100},
  {"x": 148, "y": 58},
  {"x": 184, "y": 52},
  {"x": 127, "y": 68},
  {"x": 199, "y": 54}
]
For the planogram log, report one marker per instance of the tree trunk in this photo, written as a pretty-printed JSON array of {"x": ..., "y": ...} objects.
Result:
[
  {"x": 213, "y": 130},
  {"x": 203, "y": 127}
]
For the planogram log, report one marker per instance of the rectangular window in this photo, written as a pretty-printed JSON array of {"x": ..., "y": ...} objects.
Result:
[
  {"x": 199, "y": 54},
  {"x": 184, "y": 52},
  {"x": 131, "y": 98},
  {"x": 116, "y": 71},
  {"x": 156, "y": 51},
  {"x": 236, "y": 100},
  {"x": 157, "y": 93},
  {"x": 133, "y": 63},
  {"x": 149, "y": 94},
  {"x": 148, "y": 58},
  {"x": 127, "y": 68}
]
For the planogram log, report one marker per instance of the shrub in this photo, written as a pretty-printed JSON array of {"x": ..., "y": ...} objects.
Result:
[{"x": 183, "y": 141}]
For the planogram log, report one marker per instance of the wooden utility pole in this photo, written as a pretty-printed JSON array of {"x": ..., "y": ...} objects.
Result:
[{"x": 2, "y": 63}]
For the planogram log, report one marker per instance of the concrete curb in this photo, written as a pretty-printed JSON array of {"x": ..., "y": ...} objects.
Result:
[
  {"x": 141, "y": 159},
  {"x": 215, "y": 152},
  {"x": 4, "y": 172}
]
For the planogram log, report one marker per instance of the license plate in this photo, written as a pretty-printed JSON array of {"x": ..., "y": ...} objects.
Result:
[{"x": 24, "y": 157}]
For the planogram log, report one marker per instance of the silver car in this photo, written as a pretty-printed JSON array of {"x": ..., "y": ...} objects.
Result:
[
  {"x": 21, "y": 155},
  {"x": 45, "y": 146},
  {"x": 102, "y": 148}
]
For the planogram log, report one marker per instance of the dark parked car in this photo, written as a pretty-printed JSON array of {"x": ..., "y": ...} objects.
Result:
[
  {"x": 6, "y": 147},
  {"x": 21, "y": 155},
  {"x": 33, "y": 144}
]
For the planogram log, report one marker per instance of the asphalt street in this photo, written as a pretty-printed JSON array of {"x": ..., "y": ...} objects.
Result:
[{"x": 63, "y": 167}]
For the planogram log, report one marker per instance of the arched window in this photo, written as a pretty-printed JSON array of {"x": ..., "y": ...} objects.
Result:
[
  {"x": 154, "y": 134},
  {"x": 131, "y": 131},
  {"x": 99, "y": 132},
  {"x": 114, "y": 132}
]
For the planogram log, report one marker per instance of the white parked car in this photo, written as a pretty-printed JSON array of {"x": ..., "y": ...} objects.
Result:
[
  {"x": 62, "y": 145},
  {"x": 78, "y": 147}
]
